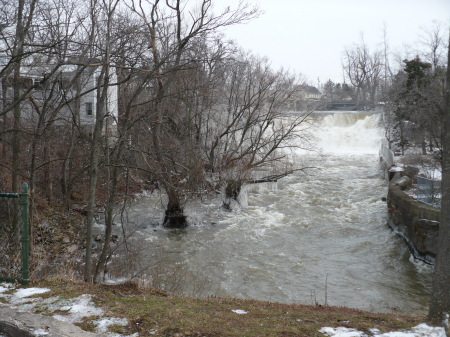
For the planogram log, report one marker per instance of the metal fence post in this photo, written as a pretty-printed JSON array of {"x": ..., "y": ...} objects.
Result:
[{"x": 25, "y": 235}]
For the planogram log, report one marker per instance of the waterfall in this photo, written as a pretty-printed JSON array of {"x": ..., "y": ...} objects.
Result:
[{"x": 349, "y": 133}]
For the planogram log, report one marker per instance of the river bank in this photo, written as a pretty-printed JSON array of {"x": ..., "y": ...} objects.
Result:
[
  {"x": 131, "y": 310},
  {"x": 415, "y": 222}
]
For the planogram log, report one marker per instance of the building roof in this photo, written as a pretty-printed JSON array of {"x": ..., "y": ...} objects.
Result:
[{"x": 310, "y": 89}]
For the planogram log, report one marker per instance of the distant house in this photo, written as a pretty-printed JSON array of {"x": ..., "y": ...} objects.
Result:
[
  {"x": 68, "y": 95},
  {"x": 307, "y": 98},
  {"x": 310, "y": 93}
]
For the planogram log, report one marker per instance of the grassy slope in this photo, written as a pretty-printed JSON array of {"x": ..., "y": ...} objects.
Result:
[{"x": 155, "y": 313}]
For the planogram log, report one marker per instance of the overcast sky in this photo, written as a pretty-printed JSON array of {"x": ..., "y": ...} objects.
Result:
[{"x": 309, "y": 36}]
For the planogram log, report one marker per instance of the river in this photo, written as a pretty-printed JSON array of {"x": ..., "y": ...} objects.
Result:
[{"x": 316, "y": 237}]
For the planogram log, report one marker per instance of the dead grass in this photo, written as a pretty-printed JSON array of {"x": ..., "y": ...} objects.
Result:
[{"x": 156, "y": 313}]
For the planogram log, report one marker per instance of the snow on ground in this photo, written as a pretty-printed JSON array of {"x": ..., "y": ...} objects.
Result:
[
  {"x": 103, "y": 323},
  {"x": 421, "y": 330},
  {"x": 27, "y": 292},
  {"x": 76, "y": 308},
  {"x": 5, "y": 287},
  {"x": 427, "y": 165},
  {"x": 239, "y": 311},
  {"x": 82, "y": 306},
  {"x": 40, "y": 332},
  {"x": 432, "y": 173}
]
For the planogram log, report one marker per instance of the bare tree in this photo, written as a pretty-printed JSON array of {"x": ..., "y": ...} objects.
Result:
[
  {"x": 439, "y": 310},
  {"x": 32, "y": 75},
  {"x": 23, "y": 21},
  {"x": 364, "y": 71},
  {"x": 132, "y": 81},
  {"x": 251, "y": 127},
  {"x": 101, "y": 36},
  {"x": 387, "y": 69},
  {"x": 170, "y": 36},
  {"x": 433, "y": 42}
]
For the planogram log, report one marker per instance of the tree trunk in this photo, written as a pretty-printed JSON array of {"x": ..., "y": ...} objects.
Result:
[
  {"x": 101, "y": 264},
  {"x": 93, "y": 176},
  {"x": 424, "y": 147},
  {"x": 17, "y": 56},
  {"x": 66, "y": 187},
  {"x": 232, "y": 190},
  {"x": 439, "y": 311},
  {"x": 67, "y": 163},
  {"x": 112, "y": 193},
  {"x": 15, "y": 141},
  {"x": 102, "y": 85},
  {"x": 174, "y": 216},
  {"x": 101, "y": 110},
  {"x": 48, "y": 172},
  {"x": 32, "y": 182}
]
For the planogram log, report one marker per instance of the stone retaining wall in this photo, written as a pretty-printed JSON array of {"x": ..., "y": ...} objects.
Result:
[{"x": 416, "y": 222}]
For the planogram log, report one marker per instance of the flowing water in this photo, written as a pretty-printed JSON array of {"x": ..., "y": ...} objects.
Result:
[{"x": 318, "y": 237}]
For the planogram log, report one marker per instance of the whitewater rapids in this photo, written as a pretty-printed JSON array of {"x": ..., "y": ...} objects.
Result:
[{"x": 319, "y": 237}]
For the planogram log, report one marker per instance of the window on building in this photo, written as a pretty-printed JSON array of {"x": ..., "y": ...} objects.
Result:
[
  {"x": 89, "y": 111},
  {"x": 37, "y": 83}
]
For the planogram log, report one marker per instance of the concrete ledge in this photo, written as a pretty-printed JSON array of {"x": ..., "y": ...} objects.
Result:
[
  {"x": 23, "y": 324},
  {"x": 416, "y": 222}
]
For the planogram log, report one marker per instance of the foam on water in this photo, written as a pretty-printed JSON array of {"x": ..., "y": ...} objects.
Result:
[{"x": 346, "y": 133}]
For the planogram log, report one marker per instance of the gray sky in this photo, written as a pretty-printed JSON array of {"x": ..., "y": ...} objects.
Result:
[{"x": 309, "y": 36}]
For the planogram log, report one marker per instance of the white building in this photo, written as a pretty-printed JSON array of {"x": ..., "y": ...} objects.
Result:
[{"x": 68, "y": 95}]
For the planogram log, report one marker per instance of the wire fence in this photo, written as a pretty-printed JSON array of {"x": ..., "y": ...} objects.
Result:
[
  {"x": 14, "y": 240},
  {"x": 10, "y": 245},
  {"x": 429, "y": 191}
]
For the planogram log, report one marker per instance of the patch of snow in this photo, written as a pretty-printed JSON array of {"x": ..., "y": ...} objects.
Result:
[
  {"x": 20, "y": 297},
  {"x": 342, "y": 332},
  {"x": 76, "y": 308},
  {"x": 421, "y": 330},
  {"x": 98, "y": 225},
  {"x": 6, "y": 286},
  {"x": 29, "y": 304},
  {"x": 103, "y": 323},
  {"x": 431, "y": 173},
  {"x": 27, "y": 292},
  {"x": 143, "y": 194},
  {"x": 396, "y": 168},
  {"x": 40, "y": 332},
  {"x": 79, "y": 307},
  {"x": 239, "y": 311},
  {"x": 412, "y": 192},
  {"x": 117, "y": 280}
]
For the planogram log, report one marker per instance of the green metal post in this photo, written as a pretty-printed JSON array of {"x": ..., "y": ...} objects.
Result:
[{"x": 25, "y": 235}]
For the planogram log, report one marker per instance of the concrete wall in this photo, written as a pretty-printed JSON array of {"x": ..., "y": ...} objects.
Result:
[
  {"x": 387, "y": 160},
  {"x": 416, "y": 222}
]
